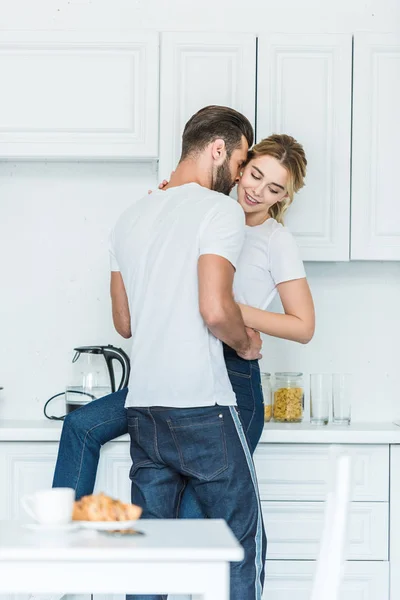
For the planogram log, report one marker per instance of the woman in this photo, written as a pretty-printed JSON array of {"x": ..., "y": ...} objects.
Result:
[{"x": 269, "y": 264}]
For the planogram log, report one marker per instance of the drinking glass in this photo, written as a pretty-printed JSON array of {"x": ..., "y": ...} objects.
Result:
[
  {"x": 341, "y": 388},
  {"x": 320, "y": 398}
]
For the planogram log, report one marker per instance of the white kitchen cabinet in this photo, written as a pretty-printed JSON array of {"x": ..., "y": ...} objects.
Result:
[
  {"x": 300, "y": 472},
  {"x": 199, "y": 69},
  {"x": 113, "y": 476},
  {"x": 293, "y": 483},
  {"x": 292, "y": 580},
  {"x": 375, "y": 213},
  {"x": 25, "y": 467},
  {"x": 66, "y": 95},
  {"x": 294, "y": 530},
  {"x": 304, "y": 90}
]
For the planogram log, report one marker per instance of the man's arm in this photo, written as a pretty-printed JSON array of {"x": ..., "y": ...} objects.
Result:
[
  {"x": 219, "y": 310},
  {"x": 120, "y": 306}
]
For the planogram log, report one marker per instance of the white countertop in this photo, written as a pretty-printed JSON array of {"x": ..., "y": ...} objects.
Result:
[{"x": 44, "y": 430}]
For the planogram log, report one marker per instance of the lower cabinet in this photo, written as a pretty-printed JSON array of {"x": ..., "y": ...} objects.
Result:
[
  {"x": 294, "y": 530},
  {"x": 293, "y": 481},
  {"x": 292, "y": 580},
  {"x": 25, "y": 467}
]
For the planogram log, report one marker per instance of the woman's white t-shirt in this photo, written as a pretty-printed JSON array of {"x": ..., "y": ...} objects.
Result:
[{"x": 269, "y": 256}]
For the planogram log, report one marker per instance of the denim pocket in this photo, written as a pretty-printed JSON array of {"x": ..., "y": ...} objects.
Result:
[
  {"x": 201, "y": 445},
  {"x": 237, "y": 366},
  {"x": 238, "y": 374}
]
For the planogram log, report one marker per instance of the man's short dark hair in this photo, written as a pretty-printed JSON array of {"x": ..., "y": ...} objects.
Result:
[{"x": 212, "y": 123}]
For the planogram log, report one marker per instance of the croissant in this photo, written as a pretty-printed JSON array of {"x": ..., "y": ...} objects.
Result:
[{"x": 99, "y": 507}]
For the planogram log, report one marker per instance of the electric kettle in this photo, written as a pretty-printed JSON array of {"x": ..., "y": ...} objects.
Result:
[{"x": 92, "y": 376}]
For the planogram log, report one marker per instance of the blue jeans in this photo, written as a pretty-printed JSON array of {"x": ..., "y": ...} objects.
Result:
[
  {"x": 206, "y": 447},
  {"x": 85, "y": 430},
  {"x": 88, "y": 428}
]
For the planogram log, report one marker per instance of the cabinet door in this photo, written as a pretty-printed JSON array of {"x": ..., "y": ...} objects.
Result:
[
  {"x": 375, "y": 214},
  {"x": 304, "y": 90},
  {"x": 292, "y": 580},
  {"x": 67, "y": 95},
  {"x": 198, "y": 69},
  {"x": 113, "y": 473},
  {"x": 287, "y": 580},
  {"x": 25, "y": 467},
  {"x": 300, "y": 472},
  {"x": 294, "y": 530}
]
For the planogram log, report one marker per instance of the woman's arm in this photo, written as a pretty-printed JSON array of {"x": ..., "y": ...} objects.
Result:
[{"x": 298, "y": 322}]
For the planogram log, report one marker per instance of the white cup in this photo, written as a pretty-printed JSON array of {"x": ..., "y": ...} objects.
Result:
[{"x": 50, "y": 507}]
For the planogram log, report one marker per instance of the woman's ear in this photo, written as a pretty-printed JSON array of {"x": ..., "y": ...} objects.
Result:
[
  {"x": 283, "y": 199},
  {"x": 218, "y": 152}
]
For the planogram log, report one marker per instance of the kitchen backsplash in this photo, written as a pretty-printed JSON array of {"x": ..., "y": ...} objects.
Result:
[{"x": 54, "y": 224}]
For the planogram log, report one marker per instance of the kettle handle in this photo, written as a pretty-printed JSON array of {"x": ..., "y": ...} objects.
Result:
[{"x": 112, "y": 353}]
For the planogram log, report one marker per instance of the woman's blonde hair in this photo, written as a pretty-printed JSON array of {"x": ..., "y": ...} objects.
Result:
[{"x": 290, "y": 155}]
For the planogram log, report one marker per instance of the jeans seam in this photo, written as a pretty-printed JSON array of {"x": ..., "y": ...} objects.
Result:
[
  {"x": 136, "y": 467},
  {"x": 187, "y": 426},
  {"x": 254, "y": 405},
  {"x": 260, "y": 532},
  {"x": 156, "y": 450},
  {"x": 178, "y": 504},
  {"x": 84, "y": 445},
  {"x": 135, "y": 426}
]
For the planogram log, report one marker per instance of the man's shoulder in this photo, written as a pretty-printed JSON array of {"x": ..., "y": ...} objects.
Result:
[
  {"x": 131, "y": 210},
  {"x": 226, "y": 204}
]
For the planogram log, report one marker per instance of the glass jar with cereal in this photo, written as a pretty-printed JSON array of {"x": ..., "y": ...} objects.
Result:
[
  {"x": 288, "y": 401},
  {"x": 267, "y": 393}
]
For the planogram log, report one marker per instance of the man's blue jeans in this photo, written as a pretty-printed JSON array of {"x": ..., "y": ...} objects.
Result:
[
  {"x": 87, "y": 429},
  {"x": 206, "y": 447}
]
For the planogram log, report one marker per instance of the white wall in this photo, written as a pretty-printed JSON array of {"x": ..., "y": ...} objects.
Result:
[
  {"x": 54, "y": 224},
  {"x": 55, "y": 219}
]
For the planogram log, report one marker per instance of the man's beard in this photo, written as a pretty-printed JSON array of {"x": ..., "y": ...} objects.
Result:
[{"x": 223, "y": 179}]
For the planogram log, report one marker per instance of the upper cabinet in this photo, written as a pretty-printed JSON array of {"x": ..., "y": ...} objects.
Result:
[
  {"x": 68, "y": 95},
  {"x": 304, "y": 90},
  {"x": 199, "y": 69},
  {"x": 375, "y": 214},
  {"x": 87, "y": 95}
]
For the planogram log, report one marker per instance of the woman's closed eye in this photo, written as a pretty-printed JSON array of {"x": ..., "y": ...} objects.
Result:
[{"x": 273, "y": 191}]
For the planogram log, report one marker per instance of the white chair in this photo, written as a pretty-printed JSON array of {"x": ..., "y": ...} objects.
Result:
[{"x": 330, "y": 564}]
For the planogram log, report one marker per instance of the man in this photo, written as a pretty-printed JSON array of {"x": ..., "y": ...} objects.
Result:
[{"x": 173, "y": 259}]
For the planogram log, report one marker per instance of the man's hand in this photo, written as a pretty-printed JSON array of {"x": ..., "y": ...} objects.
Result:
[{"x": 253, "y": 353}]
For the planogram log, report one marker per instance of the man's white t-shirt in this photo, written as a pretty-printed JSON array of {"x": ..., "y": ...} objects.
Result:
[
  {"x": 269, "y": 256},
  {"x": 175, "y": 360}
]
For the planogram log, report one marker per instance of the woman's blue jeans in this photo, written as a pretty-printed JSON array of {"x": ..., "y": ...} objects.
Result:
[{"x": 86, "y": 429}]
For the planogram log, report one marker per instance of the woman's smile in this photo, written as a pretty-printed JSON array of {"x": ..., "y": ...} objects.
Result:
[{"x": 250, "y": 200}]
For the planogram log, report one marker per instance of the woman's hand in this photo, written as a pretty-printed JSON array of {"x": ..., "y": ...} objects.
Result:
[{"x": 161, "y": 185}]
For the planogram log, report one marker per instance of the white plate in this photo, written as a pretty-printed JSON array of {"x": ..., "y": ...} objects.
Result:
[
  {"x": 46, "y": 527},
  {"x": 105, "y": 525}
]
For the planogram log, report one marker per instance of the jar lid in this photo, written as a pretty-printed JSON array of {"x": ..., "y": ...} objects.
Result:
[{"x": 288, "y": 374}]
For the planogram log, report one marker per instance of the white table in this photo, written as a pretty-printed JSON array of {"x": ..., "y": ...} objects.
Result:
[{"x": 176, "y": 557}]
